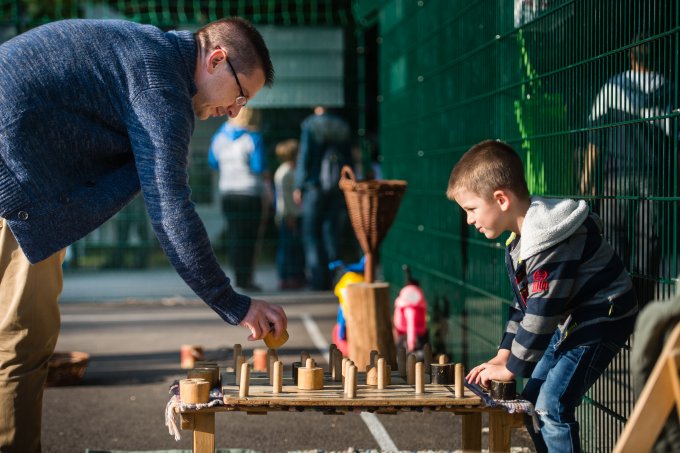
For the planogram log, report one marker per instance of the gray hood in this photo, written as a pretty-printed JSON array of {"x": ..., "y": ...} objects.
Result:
[{"x": 548, "y": 222}]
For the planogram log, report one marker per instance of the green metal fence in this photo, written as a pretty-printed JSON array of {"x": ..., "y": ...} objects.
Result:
[{"x": 538, "y": 75}]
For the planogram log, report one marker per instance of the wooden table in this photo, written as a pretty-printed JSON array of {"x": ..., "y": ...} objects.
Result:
[{"x": 396, "y": 398}]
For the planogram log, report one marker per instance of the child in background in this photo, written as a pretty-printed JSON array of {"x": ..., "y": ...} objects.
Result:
[
  {"x": 290, "y": 253},
  {"x": 574, "y": 305}
]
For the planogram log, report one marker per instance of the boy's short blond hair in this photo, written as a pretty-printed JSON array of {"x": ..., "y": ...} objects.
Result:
[
  {"x": 486, "y": 167},
  {"x": 287, "y": 150}
]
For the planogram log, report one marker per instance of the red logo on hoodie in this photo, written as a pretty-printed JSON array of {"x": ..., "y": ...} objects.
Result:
[{"x": 540, "y": 281}]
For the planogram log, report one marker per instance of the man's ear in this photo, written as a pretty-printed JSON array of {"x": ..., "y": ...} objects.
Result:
[
  {"x": 214, "y": 58},
  {"x": 502, "y": 198}
]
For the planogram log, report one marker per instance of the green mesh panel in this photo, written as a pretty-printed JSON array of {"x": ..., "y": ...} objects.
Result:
[{"x": 453, "y": 73}]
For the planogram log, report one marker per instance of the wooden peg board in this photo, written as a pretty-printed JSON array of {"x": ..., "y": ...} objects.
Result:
[{"x": 399, "y": 394}]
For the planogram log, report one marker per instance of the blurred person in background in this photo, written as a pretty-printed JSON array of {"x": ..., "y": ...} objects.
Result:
[
  {"x": 237, "y": 153},
  {"x": 290, "y": 258},
  {"x": 325, "y": 147},
  {"x": 627, "y": 164}
]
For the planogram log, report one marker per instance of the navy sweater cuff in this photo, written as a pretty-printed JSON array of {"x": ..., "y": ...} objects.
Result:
[{"x": 233, "y": 308}]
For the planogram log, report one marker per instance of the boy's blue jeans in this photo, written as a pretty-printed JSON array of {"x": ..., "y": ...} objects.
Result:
[{"x": 556, "y": 388}]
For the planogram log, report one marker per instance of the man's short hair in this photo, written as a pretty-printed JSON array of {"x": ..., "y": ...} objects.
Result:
[
  {"x": 486, "y": 167},
  {"x": 245, "y": 45}
]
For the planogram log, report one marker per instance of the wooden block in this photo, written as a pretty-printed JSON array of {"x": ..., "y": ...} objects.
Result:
[
  {"x": 503, "y": 390},
  {"x": 441, "y": 374},
  {"x": 209, "y": 374},
  {"x": 275, "y": 342},
  {"x": 194, "y": 391},
  {"x": 189, "y": 354},
  {"x": 310, "y": 377},
  {"x": 369, "y": 322},
  {"x": 260, "y": 360}
]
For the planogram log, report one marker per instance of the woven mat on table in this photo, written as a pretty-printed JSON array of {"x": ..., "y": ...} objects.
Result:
[{"x": 218, "y": 450}]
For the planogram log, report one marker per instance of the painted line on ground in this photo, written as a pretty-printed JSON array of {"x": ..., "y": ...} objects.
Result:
[{"x": 380, "y": 434}]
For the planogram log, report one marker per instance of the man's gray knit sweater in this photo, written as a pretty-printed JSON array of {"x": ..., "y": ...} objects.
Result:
[{"x": 90, "y": 112}]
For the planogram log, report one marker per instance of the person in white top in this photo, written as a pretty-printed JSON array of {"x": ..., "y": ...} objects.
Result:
[{"x": 290, "y": 262}]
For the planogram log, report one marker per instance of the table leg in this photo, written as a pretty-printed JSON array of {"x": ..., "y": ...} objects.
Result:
[
  {"x": 472, "y": 432},
  {"x": 500, "y": 429},
  {"x": 204, "y": 432}
]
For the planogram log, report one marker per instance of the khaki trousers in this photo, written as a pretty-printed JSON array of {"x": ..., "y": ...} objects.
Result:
[{"x": 29, "y": 327}]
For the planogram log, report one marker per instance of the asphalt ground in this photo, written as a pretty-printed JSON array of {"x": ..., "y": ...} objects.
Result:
[{"x": 135, "y": 342}]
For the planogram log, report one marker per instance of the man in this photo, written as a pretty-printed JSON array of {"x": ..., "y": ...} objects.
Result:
[
  {"x": 90, "y": 113},
  {"x": 325, "y": 147}
]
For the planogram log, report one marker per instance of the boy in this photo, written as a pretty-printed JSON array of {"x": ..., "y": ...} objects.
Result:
[{"x": 574, "y": 302}]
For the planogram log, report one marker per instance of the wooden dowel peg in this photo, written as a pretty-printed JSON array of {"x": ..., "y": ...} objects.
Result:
[
  {"x": 401, "y": 361},
  {"x": 420, "y": 378},
  {"x": 373, "y": 357},
  {"x": 295, "y": 366},
  {"x": 458, "y": 383},
  {"x": 240, "y": 360},
  {"x": 273, "y": 357},
  {"x": 443, "y": 359},
  {"x": 331, "y": 350},
  {"x": 277, "y": 373},
  {"x": 427, "y": 357},
  {"x": 194, "y": 391},
  {"x": 236, "y": 352},
  {"x": 304, "y": 355},
  {"x": 381, "y": 373},
  {"x": 337, "y": 366},
  {"x": 411, "y": 369},
  {"x": 244, "y": 386},
  {"x": 345, "y": 361},
  {"x": 351, "y": 382}
]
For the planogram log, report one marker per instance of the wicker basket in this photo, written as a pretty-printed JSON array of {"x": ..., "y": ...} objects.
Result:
[
  {"x": 66, "y": 368},
  {"x": 372, "y": 207}
]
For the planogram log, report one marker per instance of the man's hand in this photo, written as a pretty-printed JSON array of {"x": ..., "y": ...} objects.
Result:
[
  {"x": 263, "y": 317},
  {"x": 483, "y": 374}
]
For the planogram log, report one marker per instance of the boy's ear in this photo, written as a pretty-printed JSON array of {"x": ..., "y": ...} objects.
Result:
[{"x": 502, "y": 198}]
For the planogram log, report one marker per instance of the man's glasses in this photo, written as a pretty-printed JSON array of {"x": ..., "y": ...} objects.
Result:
[{"x": 241, "y": 100}]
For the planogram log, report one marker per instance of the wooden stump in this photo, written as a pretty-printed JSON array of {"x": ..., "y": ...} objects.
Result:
[{"x": 369, "y": 324}]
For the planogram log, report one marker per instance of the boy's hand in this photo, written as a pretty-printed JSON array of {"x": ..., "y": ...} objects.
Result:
[{"x": 484, "y": 373}]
